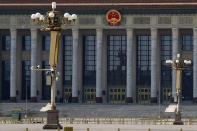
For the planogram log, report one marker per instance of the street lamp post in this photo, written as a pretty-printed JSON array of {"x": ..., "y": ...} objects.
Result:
[
  {"x": 52, "y": 21},
  {"x": 178, "y": 64}
]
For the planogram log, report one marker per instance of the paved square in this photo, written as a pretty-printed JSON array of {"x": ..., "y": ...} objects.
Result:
[{"x": 100, "y": 127}]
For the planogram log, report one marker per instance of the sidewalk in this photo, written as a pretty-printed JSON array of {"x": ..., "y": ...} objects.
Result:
[{"x": 100, "y": 127}]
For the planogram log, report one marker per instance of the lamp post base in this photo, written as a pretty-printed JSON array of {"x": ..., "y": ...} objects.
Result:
[
  {"x": 52, "y": 120},
  {"x": 178, "y": 119}
]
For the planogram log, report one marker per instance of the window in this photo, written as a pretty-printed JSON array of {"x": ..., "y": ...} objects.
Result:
[
  {"x": 116, "y": 66},
  {"x": 26, "y": 42},
  {"x": 67, "y": 64},
  {"x": 6, "y": 42},
  {"x": 46, "y": 43},
  {"x": 187, "y": 42},
  {"x": 187, "y": 83},
  {"x": 26, "y": 79},
  {"x": 166, "y": 54},
  {"x": 89, "y": 66},
  {"x": 143, "y": 64},
  {"x": 46, "y": 89},
  {"x": 5, "y": 80}
]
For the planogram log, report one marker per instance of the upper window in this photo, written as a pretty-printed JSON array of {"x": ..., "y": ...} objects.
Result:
[
  {"x": 117, "y": 60},
  {"x": 89, "y": 66},
  {"x": 187, "y": 41},
  {"x": 6, "y": 40},
  {"x": 143, "y": 51},
  {"x": 166, "y": 54},
  {"x": 67, "y": 60},
  {"x": 46, "y": 43},
  {"x": 26, "y": 42},
  {"x": 6, "y": 70}
]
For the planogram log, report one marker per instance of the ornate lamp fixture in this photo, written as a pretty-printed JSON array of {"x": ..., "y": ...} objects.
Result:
[
  {"x": 178, "y": 64},
  {"x": 52, "y": 21}
]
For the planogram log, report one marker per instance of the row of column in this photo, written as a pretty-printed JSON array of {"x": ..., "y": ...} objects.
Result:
[
  {"x": 13, "y": 67},
  {"x": 130, "y": 64},
  {"x": 131, "y": 84}
]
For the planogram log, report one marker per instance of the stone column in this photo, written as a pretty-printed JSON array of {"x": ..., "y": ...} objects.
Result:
[
  {"x": 33, "y": 63},
  {"x": 175, "y": 51},
  {"x": 154, "y": 65},
  {"x": 13, "y": 68},
  {"x": 75, "y": 73},
  {"x": 130, "y": 66},
  {"x": 195, "y": 65},
  {"x": 99, "y": 34}
]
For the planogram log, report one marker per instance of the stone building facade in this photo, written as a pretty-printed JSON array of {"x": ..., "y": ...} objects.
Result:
[{"x": 99, "y": 62}]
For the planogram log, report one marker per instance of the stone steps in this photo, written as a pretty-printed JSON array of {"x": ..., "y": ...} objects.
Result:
[{"x": 100, "y": 110}]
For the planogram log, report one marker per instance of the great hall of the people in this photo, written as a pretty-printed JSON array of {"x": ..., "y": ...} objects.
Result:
[{"x": 115, "y": 52}]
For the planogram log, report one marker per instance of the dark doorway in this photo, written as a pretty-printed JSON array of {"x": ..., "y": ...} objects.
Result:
[
  {"x": 26, "y": 77},
  {"x": 187, "y": 83},
  {"x": 46, "y": 89},
  {"x": 5, "y": 80}
]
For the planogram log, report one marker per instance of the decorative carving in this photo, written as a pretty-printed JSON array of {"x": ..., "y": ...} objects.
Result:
[
  {"x": 123, "y": 21},
  {"x": 87, "y": 21},
  {"x": 164, "y": 20},
  {"x": 141, "y": 20},
  {"x": 23, "y": 21},
  {"x": 185, "y": 20},
  {"x": 4, "y": 21}
]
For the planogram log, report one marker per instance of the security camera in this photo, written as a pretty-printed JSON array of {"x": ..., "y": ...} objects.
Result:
[
  {"x": 38, "y": 66},
  {"x": 48, "y": 73}
]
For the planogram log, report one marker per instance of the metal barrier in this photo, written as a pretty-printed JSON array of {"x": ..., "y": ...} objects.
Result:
[{"x": 108, "y": 120}]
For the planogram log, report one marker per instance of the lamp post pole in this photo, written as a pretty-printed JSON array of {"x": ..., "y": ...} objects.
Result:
[
  {"x": 178, "y": 64},
  {"x": 52, "y": 21}
]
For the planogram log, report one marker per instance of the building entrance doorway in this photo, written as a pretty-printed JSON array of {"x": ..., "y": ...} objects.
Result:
[
  {"x": 90, "y": 95},
  {"x": 117, "y": 95},
  {"x": 143, "y": 95},
  {"x": 68, "y": 95},
  {"x": 187, "y": 83}
]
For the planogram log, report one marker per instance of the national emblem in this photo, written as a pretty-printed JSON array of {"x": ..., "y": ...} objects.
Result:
[{"x": 113, "y": 17}]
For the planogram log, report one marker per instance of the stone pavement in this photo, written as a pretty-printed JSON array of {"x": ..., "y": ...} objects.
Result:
[
  {"x": 101, "y": 110},
  {"x": 100, "y": 127}
]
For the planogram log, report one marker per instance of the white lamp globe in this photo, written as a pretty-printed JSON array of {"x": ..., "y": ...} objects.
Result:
[
  {"x": 66, "y": 15},
  {"x": 37, "y": 15},
  {"x": 33, "y": 16},
  {"x": 53, "y": 5},
  {"x": 41, "y": 17},
  {"x": 74, "y": 16},
  {"x": 70, "y": 18},
  {"x": 51, "y": 14}
]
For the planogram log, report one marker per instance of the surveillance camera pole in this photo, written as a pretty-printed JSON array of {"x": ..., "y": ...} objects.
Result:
[
  {"x": 52, "y": 22},
  {"x": 52, "y": 115},
  {"x": 178, "y": 64}
]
